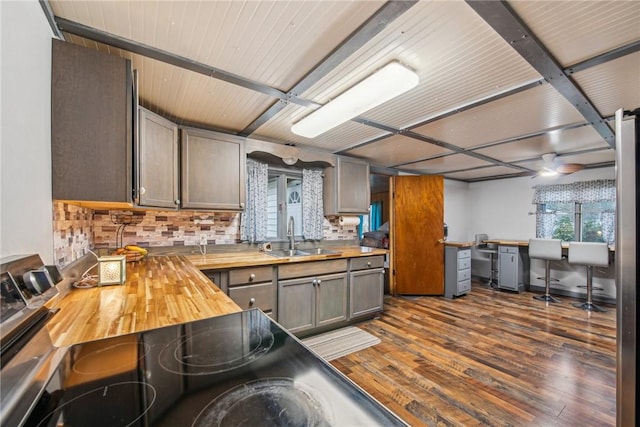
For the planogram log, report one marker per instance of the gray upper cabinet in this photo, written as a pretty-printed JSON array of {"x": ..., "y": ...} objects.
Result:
[
  {"x": 158, "y": 162},
  {"x": 346, "y": 187},
  {"x": 213, "y": 170},
  {"x": 91, "y": 125}
]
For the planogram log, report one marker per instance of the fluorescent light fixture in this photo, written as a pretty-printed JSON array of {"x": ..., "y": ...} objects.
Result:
[{"x": 388, "y": 82}]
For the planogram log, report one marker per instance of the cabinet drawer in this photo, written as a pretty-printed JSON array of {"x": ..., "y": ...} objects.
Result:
[
  {"x": 508, "y": 249},
  {"x": 464, "y": 286},
  {"x": 464, "y": 263},
  {"x": 313, "y": 268},
  {"x": 365, "y": 263},
  {"x": 464, "y": 274},
  {"x": 250, "y": 296},
  {"x": 464, "y": 253},
  {"x": 250, "y": 275}
]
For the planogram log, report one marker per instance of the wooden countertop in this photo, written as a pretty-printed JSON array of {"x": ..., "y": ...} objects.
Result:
[
  {"x": 159, "y": 291},
  {"x": 250, "y": 258},
  {"x": 459, "y": 244},
  {"x": 507, "y": 242}
]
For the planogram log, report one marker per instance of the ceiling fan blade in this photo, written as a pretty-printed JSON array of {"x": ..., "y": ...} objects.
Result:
[{"x": 568, "y": 168}]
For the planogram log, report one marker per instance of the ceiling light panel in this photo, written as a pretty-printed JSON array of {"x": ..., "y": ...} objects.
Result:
[
  {"x": 249, "y": 38},
  {"x": 516, "y": 115},
  {"x": 581, "y": 138},
  {"x": 445, "y": 164},
  {"x": 575, "y": 31},
  {"x": 397, "y": 149},
  {"x": 449, "y": 46},
  {"x": 385, "y": 84},
  {"x": 614, "y": 84},
  {"x": 481, "y": 173}
]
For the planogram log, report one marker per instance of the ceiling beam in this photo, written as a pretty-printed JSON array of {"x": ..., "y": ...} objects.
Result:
[
  {"x": 362, "y": 35},
  {"x": 605, "y": 57},
  {"x": 504, "y": 20}
]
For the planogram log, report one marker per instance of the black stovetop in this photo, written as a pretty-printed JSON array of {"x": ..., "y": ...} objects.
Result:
[{"x": 240, "y": 369}]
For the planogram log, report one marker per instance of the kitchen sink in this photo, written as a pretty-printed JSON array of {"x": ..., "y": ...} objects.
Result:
[
  {"x": 287, "y": 253},
  {"x": 323, "y": 251}
]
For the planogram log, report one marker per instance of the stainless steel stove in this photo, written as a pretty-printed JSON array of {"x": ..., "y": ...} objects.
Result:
[{"x": 239, "y": 369}]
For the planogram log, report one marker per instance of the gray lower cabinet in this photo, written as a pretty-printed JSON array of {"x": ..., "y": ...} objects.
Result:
[
  {"x": 312, "y": 294},
  {"x": 513, "y": 268},
  {"x": 158, "y": 162},
  {"x": 212, "y": 170},
  {"x": 457, "y": 271},
  {"x": 366, "y": 286},
  {"x": 250, "y": 287}
]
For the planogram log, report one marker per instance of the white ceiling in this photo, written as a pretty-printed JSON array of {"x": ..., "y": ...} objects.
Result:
[{"x": 482, "y": 109}]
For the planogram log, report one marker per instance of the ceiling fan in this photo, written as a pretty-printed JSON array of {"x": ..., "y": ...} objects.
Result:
[{"x": 551, "y": 166}]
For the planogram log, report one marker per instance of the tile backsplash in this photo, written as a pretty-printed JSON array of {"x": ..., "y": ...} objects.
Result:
[{"x": 78, "y": 229}]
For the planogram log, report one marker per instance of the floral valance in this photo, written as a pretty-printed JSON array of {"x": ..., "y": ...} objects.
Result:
[{"x": 599, "y": 190}]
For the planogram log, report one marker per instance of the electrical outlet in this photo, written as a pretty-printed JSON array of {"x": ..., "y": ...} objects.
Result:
[{"x": 203, "y": 239}]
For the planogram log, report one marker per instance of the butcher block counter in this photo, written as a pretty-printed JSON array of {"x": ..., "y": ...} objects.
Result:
[
  {"x": 251, "y": 258},
  {"x": 159, "y": 291},
  {"x": 162, "y": 290}
]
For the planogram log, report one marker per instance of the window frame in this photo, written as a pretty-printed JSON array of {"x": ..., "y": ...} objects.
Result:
[{"x": 282, "y": 175}]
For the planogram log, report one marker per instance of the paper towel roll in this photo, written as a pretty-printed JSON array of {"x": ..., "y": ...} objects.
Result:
[{"x": 349, "y": 220}]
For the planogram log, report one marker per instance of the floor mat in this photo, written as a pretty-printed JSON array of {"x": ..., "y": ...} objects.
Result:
[{"x": 334, "y": 344}]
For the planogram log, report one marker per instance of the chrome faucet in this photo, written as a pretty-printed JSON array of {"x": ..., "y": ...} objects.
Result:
[{"x": 291, "y": 233}]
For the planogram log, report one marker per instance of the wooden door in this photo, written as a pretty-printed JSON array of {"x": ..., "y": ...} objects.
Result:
[{"x": 417, "y": 233}]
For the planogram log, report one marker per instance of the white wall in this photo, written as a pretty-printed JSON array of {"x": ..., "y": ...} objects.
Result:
[
  {"x": 25, "y": 124},
  {"x": 457, "y": 201},
  {"x": 501, "y": 208}
]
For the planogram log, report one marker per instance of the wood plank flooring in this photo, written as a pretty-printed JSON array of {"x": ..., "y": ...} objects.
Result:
[{"x": 490, "y": 358}]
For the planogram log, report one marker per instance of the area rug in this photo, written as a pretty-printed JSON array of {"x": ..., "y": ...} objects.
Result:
[{"x": 334, "y": 344}]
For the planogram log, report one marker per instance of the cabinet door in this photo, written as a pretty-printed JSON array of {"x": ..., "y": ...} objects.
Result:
[
  {"x": 508, "y": 271},
  {"x": 91, "y": 125},
  {"x": 366, "y": 292},
  {"x": 331, "y": 299},
  {"x": 158, "y": 174},
  {"x": 213, "y": 171},
  {"x": 347, "y": 188},
  {"x": 297, "y": 304}
]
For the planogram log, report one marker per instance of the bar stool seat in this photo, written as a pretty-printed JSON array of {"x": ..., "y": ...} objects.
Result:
[
  {"x": 547, "y": 250},
  {"x": 589, "y": 254}
]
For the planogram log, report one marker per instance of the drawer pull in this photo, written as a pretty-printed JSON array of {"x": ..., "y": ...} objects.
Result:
[
  {"x": 252, "y": 301},
  {"x": 252, "y": 277},
  {"x": 369, "y": 264}
]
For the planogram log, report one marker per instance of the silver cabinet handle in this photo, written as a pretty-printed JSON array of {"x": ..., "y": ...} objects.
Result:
[
  {"x": 143, "y": 190},
  {"x": 242, "y": 205},
  {"x": 369, "y": 264},
  {"x": 176, "y": 202},
  {"x": 319, "y": 282},
  {"x": 252, "y": 277},
  {"x": 315, "y": 282},
  {"x": 252, "y": 301}
]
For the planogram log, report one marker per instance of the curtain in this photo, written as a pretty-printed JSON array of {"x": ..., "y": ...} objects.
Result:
[
  {"x": 253, "y": 224},
  {"x": 312, "y": 205},
  {"x": 376, "y": 215},
  {"x": 599, "y": 190},
  {"x": 608, "y": 221},
  {"x": 545, "y": 224}
]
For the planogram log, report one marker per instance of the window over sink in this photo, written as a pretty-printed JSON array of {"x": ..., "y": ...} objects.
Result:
[{"x": 284, "y": 200}]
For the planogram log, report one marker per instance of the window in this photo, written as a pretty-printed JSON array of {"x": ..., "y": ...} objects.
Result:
[
  {"x": 284, "y": 200},
  {"x": 582, "y": 211}
]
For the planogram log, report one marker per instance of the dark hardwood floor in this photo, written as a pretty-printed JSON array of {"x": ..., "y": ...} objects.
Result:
[{"x": 490, "y": 358}]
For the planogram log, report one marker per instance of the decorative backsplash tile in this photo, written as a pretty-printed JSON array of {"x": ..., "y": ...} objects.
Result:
[{"x": 77, "y": 230}]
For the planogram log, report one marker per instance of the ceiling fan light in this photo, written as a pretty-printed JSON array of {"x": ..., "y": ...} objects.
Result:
[
  {"x": 385, "y": 84},
  {"x": 547, "y": 172}
]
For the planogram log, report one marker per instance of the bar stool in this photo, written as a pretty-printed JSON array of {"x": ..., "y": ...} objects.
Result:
[
  {"x": 547, "y": 250},
  {"x": 589, "y": 254},
  {"x": 484, "y": 248}
]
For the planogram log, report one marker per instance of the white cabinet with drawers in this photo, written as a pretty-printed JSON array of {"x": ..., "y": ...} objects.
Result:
[{"x": 457, "y": 271}]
